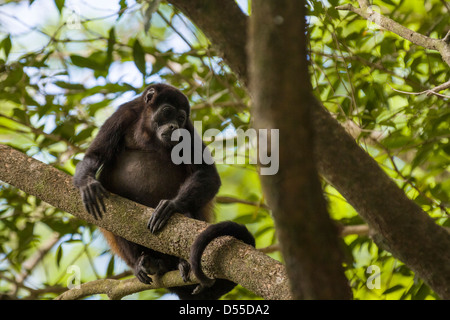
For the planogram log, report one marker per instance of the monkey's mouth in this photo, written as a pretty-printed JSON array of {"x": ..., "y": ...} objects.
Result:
[
  {"x": 169, "y": 138},
  {"x": 172, "y": 136}
]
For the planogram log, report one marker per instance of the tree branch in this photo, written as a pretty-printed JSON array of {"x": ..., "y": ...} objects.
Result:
[
  {"x": 439, "y": 88},
  {"x": 225, "y": 257},
  {"x": 411, "y": 235},
  {"x": 117, "y": 289},
  {"x": 367, "y": 13},
  {"x": 277, "y": 55}
]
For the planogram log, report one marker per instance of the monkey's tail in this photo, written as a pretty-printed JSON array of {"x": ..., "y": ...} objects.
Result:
[{"x": 226, "y": 228}]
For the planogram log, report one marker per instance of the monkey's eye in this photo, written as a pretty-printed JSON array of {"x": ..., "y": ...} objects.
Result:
[
  {"x": 181, "y": 118},
  {"x": 149, "y": 95},
  {"x": 167, "y": 113}
]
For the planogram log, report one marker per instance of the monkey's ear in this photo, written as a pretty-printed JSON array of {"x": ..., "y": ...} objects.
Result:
[{"x": 149, "y": 95}]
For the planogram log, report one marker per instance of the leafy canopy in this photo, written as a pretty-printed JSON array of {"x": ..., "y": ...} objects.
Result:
[{"x": 66, "y": 66}]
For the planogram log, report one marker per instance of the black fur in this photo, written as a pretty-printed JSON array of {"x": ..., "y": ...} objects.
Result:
[
  {"x": 226, "y": 228},
  {"x": 133, "y": 150}
]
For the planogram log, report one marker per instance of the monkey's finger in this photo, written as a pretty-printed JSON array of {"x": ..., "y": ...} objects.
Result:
[
  {"x": 104, "y": 192},
  {"x": 152, "y": 222},
  {"x": 97, "y": 209},
  {"x": 185, "y": 268},
  {"x": 144, "y": 277},
  {"x": 91, "y": 210},
  {"x": 159, "y": 223},
  {"x": 162, "y": 217},
  {"x": 101, "y": 190},
  {"x": 102, "y": 203},
  {"x": 198, "y": 289},
  {"x": 155, "y": 216},
  {"x": 98, "y": 200},
  {"x": 100, "y": 195},
  {"x": 93, "y": 204},
  {"x": 87, "y": 207},
  {"x": 87, "y": 202},
  {"x": 161, "y": 205}
]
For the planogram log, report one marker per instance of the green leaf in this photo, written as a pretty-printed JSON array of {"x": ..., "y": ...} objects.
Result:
[
  {"x": 422, "y": 293},
  {"x": 446, "y": 148},
  {"x": 65, "y": 129},
  {"x": 59, "y": 253},
  {"x": 83, "y": 62},
  {"x": 60, "y": 5},
  {"x": 393, "y": 289},
  {"x": 71, "y": 86},
  {"x": 139, "y": 57},
  {"x": 423, "y": 154},
  {"x": 110, "y": 269},
  {"x": 396, "y": 140},
  {"x": 318, "y": 8},
  {"x": 123, "y": 7},
  {"x": 26, "y": 234},
  {"x": 332, "y": 12},
  {"x": 83, "y": 135},
  {"x": 20, "y": 114},
  {"x": 389, "y": 2},
  {"x": 111, "y": 42},
  {"x": 57, "y": 224},
  {"x": 6, "y": 45},
  {"x": 152, "y": 7},
  {"x": 245, "y": 218}
]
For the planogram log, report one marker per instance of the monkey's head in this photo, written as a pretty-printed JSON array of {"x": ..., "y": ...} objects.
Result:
[{"x": 168, "y": 110}]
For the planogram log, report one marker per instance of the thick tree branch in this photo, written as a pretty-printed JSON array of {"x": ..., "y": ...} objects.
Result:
[
  {"x": 403, "y": 226},
  {"x": 279, "y": 80},
  {"x": 225, "y": 257}
]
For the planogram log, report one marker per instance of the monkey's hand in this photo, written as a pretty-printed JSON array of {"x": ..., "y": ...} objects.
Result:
[
  {"x": 146, "y": 266},
  {"x": 162, "y": 213},
  {"x": 92, "y": 194}
]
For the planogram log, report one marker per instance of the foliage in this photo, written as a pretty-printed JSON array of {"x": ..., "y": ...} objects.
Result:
[{"x": 66, "y": 66}]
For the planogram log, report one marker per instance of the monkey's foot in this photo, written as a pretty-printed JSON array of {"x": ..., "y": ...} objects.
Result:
[
  {"x": 185, "y": 269},
  {"x": 146, "y": 266}
]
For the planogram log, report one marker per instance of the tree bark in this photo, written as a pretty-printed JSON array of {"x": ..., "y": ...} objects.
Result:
[
  {"x": 408, "y": 232},
  {"x": 225, "y": 257},
  {"x": 279, "y": 80}
]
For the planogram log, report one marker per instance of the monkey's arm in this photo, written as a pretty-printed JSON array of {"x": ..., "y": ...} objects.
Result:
[
  {"x": 194, "y": 194},
  {"x": 199, "y": 189},
  {"x": 104, "y": 147}
]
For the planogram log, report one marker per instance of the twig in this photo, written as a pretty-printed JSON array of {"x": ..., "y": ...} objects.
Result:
[
  {"x": 428, "y": 92},
  {"x": 441, "y": 87},
  {"x": 360, "y": 230},
  {"x": 226, "y": 200},
  {"x": 365, "y": 11},
  {"x": 36, "y": 131}
]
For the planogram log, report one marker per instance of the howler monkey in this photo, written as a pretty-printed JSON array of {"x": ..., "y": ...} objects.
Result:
[{"x": 131, "y": 155}]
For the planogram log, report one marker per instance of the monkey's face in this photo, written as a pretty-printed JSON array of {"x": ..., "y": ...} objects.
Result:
[
  {"x": 165, "y": 121},
  {"x": 169, "y": 111}
]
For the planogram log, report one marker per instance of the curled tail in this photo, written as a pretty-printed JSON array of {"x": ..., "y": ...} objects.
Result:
[{"x": 226, "y": 228}]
